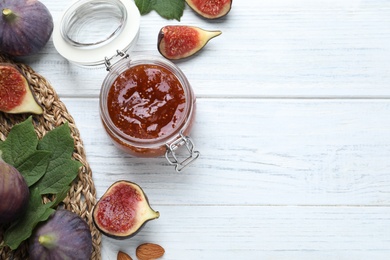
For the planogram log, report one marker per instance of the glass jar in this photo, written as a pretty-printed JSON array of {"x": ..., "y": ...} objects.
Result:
[
  {"x": 92, "y": 32},
  {"x": 144, "y": 109},
  {"x": 102, "y": 32}
]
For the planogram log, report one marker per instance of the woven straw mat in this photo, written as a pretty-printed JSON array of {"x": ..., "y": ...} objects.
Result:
[{"x": 82, "y": 195}]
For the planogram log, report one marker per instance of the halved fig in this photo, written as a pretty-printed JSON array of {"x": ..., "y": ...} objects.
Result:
[
  {"x": 15, "y": 92},
  {"x": 181, "y": 41},
  {"x": 210, "y": 9},
  {"x": 123, "y": 210}
]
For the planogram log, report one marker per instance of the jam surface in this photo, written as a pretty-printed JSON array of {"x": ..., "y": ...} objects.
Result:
[
  {"x": 117, "y": 212},
  {"x": 146, "y": 102}
]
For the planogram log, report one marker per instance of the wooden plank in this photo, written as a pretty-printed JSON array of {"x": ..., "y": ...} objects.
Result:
[
  {"x": 252, "y": 232},
  {"x": 260, "y": 152},
  {"x": 277, "y": 48}
]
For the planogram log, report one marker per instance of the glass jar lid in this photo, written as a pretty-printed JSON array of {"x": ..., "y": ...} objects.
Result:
[{"x": 92, "y": 31}]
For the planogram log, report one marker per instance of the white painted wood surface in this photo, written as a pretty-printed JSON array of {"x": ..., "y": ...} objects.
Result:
[{"x": 293, "y": 126}]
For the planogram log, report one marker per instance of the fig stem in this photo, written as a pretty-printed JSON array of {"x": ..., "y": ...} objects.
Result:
[
  {"x": 48, "y": 241},
  {"x": 8, "y": 14}
]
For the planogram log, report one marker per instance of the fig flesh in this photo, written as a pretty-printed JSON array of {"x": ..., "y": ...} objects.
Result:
[
  {"x": 123, "y": 210},
  {"x": 181, "y": 41},
  {"x": 210, "y": 9},
  {"x": 65, "y": 235},
  {"x": 15, "y": 92},
  {"x": 14, "y": 193},
  {"x": 25, "y": 27}
]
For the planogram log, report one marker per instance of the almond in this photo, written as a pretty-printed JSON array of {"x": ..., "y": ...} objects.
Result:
[
  {"x": 123, "y": 256},
  {"x": 149, "y": 251}
]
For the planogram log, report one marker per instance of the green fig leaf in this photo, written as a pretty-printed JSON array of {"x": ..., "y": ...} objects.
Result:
[
  {"x": 34, "y": 167},
  {"x": 145, "y": 6},
  {"x": 60, "y": 196},
  {"x": 20, "y": 144},
  {"x": 168, "y": 9},
  {"x": 62, "y": 170}
]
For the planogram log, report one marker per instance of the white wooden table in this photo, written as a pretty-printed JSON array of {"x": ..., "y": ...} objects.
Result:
[{"x": 293, "y": 126}]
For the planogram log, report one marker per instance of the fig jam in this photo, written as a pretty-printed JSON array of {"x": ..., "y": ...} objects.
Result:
[
  {"x": 147, "y": 107},
  {"x": 146, "y": 101}
]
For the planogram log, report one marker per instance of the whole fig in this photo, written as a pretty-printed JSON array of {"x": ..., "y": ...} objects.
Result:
[
  {"x": 25, "y": 27},
  {"x": 14, "y": 193},
  {"x": 65, "y": 235}
]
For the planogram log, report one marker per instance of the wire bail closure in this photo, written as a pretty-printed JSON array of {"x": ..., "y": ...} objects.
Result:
[
  {"x": 119, "y": 54},
  {"x": 170, "y": 154}
]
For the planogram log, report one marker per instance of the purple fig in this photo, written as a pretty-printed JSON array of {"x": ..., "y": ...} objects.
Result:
[
  {"x": 14, "y": 193},
  {"x": 25, "y": 27},
  {"x": 122, "y": 210},
  {"x": 210, "y": 9},
  {"x": 65, "y": 235},
  {"x": 181, "y": 41},
  {"x": 15, "y": 92}
]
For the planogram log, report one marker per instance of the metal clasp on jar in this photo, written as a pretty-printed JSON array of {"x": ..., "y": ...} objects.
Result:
[
  {"x": 120, "y": 55},
  {"x": 171, "y": 156}
]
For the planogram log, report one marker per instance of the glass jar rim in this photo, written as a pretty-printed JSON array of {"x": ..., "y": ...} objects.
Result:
[
  {"x": 87, "y": 53},
  {"x": 122, "y": 66}
]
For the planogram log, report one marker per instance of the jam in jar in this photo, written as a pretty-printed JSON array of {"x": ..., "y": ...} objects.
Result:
[{"x": 147, "y": 108}]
